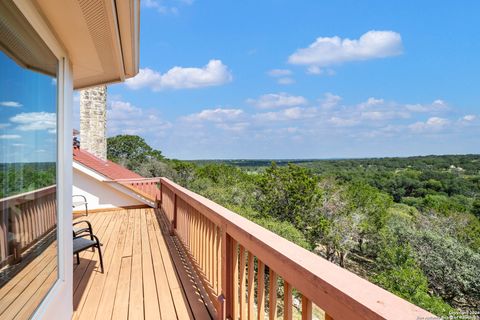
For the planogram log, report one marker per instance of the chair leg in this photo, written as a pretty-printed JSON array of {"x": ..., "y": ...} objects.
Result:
[
  {"x": 100, "y": 255},
  {"x": 78, "y": 258},
  {"x": 91, "y": 238}
]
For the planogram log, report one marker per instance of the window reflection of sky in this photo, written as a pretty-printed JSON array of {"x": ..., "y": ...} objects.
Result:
[{"x": 27, "y": 114}]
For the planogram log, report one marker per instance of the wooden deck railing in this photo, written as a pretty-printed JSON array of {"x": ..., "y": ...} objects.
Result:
[
  {"x": 243, "y": 267},
  {"x": 25, "y": 219},
  {"x": 148, "y": 187}
]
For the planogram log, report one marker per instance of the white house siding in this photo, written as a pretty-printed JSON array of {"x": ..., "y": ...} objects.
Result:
[{"x": 99, "y": 194}]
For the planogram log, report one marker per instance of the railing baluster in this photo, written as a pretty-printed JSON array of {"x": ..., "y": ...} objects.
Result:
[
  {"x": 272, "y": 301},
  {"x": 261, "y": 290},
  {"x": 287, "y": 301},
  {"x": 251, "y": 284},
  {"x": 208, "y": 247},
  {"x": 243, "y": 311},
  {"x": 202, "y": 240},
  {"x": 306, "y": 308},
  {"x": 234, "y": 279},
  {"x": 197, "y": 237},
  {"x": 174, "y": 216},
  {"x": 212, "y": 254},
  {"x": 219, "y": 261}
]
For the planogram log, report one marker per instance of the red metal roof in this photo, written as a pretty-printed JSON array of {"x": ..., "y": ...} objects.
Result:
[{"x": 104, "y": 167}]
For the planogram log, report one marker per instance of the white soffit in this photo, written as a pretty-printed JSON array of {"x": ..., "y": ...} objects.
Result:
[{"x": 100, "y": 36}]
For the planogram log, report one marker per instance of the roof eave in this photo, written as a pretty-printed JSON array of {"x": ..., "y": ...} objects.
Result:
[{"x": 101, "y": 38}]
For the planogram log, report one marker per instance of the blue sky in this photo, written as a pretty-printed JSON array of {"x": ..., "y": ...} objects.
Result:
[
  {"x": 27, "y": 114},
  {"x": 304, "y": 79}
]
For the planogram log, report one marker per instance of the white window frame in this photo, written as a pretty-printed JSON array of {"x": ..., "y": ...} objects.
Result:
[{"x": 58, "y": 303}]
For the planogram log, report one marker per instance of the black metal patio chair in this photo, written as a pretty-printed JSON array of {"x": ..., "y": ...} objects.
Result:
[
  {"x": 81, "y": 243},
  {"x": 80, "y": 200}
]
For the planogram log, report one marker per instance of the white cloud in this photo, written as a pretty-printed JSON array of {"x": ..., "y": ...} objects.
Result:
[
  {"x": 282, "y": 75},
  {"x": 235, "y": 127},
  {"x": 316, "y": 70},
  {"x": 329, "y": 51},
  {"x": 342, "y": 122},
  {"x": 166, "y": 7},
  {"x": 296, "y": 113},
  {"x": 372, "y": 123},
  {"x": 371, "y": 102},
  {"x": 10, "y": 104},
  {"x": 215, "y": 115},
  {"x": 277, "y": 100},
  {"x": 34, "y": 121},
  {"x": 4, "y": 125},
  {"x": 372, "y": 112},
  {"x": 436, "y": 106},
  {"x": 125, "y": 118},
  {"x": 469, "y": 117},
  {"x": 279, "y": 72},
  {"x": 227, "y": 119},
  {"x": 285, "y": 80},
  {"x": 329, "y": 100},
  {"x": 387, "y": 131},
  {"x": 432, "y": 124},
  {"x": 9, "y": 136},
  {"x": 384, "y": 115},
  {"x": 215, "y": 73}
]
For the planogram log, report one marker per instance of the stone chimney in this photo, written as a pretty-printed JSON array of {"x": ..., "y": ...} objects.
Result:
[{"x": 93, "y": 121}]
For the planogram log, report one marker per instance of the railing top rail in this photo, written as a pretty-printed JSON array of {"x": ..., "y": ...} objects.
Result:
[
  {"x": 28, "y": 196},
  {"x": 339, "y": 292},
  {"x": 156, "y": 179}
]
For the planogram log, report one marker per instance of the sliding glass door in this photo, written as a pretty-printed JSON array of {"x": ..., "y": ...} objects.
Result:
[{"x": 28, "y": 166}]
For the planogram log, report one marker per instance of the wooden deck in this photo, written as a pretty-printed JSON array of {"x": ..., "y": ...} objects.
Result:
[
  {"x": 146, "y": 274},
  {"x": 21, "y": 295}
]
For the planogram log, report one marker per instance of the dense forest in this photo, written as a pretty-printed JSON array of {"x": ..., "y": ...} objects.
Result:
[
  {"x": 17, "y": 178},
  {"x": 410, "y": 225}
]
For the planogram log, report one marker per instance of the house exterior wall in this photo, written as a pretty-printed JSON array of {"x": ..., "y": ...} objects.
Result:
[{"x": 99, "y": 194}]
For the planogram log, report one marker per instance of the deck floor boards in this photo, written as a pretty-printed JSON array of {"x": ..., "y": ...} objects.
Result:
[
  {"x": 142, "y": 278},
  {"x": 21, "y": 295},
  {"x": 145, "y": 275}
]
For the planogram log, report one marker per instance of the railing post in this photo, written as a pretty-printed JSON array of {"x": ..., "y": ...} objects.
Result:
[{"x": 227, "y": 275}]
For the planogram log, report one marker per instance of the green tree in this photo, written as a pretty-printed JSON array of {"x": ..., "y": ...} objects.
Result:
[
  {"x": 336, "y": 226},
  {"x": 288, "y": 194},
  {"x": 130, "y": 150},
  {"x": 476, "y": 208},
  {"x": 452, "y": 269},
  {"x": 402, "y": 276},
  {"x": 370, "y": 205}
]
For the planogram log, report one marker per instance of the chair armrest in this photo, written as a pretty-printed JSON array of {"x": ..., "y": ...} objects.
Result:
[
  {"x": 82, "y": 230},
  {"x": 80, "y": 202},
  {"x": 79, "y": 195},
  {"x": 83, "y": 221}
]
